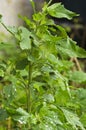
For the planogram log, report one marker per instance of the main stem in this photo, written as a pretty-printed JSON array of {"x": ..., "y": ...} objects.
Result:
[
  {"x": 29, "y": 88},
  {"x": 28, "y": 93}
]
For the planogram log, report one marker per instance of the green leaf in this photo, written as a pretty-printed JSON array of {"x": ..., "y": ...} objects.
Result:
[
  {"x": 21, "y": 112},
  {"x": 1, "y": 73},
  {"x": 38, "y": 86},
  {"x": 73, "y": 119},
  {"x": 83, "y": 119},
  {"x": 8, "y": 94},
  {"x": 57, "y": 10},
  {"x": 14, "y": 31},
  {"x": 52, "y": 59},
  {"x": 25, "y": 42},
  {"x": 37, "y": 17},
  {"x": 78, "y": 76},
  {"x": 69, "y": 48},
  {"x": 21, "y": 63},
  {"x": 23, "y": 72},
  {"x": 3, "y": 114},
  {"x": 21, "y": 116},
  {"x": 62, "y": 96},
  {"x": 28, "y": 22},
  {"x": 48, "y": 98},
  {"x": 62, "y": 30},
  {"x": 50, "y": 118}
]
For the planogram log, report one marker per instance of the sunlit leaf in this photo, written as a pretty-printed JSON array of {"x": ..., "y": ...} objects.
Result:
[
  {"x": 57, "y": 10},
  {"x": 25, "y": 42}
]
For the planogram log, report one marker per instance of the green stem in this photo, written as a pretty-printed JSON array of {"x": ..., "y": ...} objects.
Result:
[
  {"x": 7, "y": 28},
  {"x": 28, "y": 93},
  {"x": 29, "y": 88}
]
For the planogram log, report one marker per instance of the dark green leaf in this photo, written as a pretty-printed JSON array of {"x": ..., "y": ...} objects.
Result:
[
  {"x": 21, "y": 63},
  {"x": 3, "y": 115}
]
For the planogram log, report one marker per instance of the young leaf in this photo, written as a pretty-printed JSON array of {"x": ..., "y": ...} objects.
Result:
[{"x": 57, "y": 10}]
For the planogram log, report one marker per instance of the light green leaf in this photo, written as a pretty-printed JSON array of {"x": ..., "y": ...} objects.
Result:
[
  {"x": 37, "y": 17},
  {"x": 50, "y": 117},
  {"x": 62, "y": 97},
  {"x": 14, "y": 31},
  {"x": 83, "y": 119},
  {"x": 48, "y": 98},
  {"x": 23, "y": 72},
  {"x": 38, "y": 85},
  {"x": 52, "y": 59},
  {"x": 21, "y": 116},
  {"x": 69, "y": 48},
  {"x": 1, "y": 73},
  {"x": 73, "y": 119},
  {"x": 29, "y": 23},
  {"x": 25, "y": 42},
  {"x": 78, "y": 76},
  {"x": 57, "y": 10},
  {"x": 8, "y": 91},
  {"x": 46, "y": 126},
  {"x": 21, "y": 112}
]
